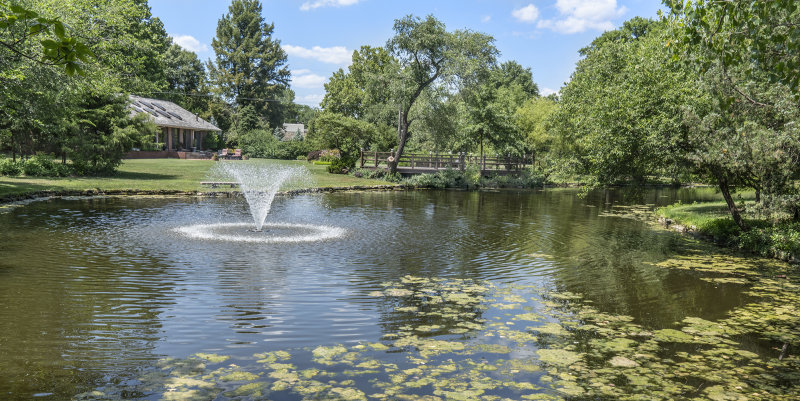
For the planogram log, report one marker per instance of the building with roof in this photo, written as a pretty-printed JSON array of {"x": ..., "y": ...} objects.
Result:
[
  {"x": 293, "y": 131},
  {"x": 181, "y": 130}
]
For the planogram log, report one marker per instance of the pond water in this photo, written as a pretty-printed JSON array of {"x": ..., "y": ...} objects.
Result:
[{"x": 96, "y": 293}]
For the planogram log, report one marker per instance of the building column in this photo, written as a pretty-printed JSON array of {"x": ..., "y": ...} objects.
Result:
[{"x": 169, "y": 139}]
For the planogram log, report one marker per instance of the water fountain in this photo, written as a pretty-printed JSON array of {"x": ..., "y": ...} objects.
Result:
[{"x": 259, "y": 183}]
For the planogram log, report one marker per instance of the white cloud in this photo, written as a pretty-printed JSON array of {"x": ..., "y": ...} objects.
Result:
[
  {"x": 547, "y": 92},
  {"x": 526, "y": 14},
  {"x": 331, "y": 55},
  {"x": 306, "y": 79},
  {"x": 310, "y": 5},
  {"x": 189, "y": 43},
  {"x": 311, "y": 100},
  {"x": 486, "y": 18},
  {"x": 581, "y": 15}
]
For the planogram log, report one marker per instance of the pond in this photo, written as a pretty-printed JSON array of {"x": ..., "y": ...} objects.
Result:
[{"x": 448, "y": 294}]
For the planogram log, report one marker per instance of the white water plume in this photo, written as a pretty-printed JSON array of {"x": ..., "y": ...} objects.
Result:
[{"x": 259, "y": 182}]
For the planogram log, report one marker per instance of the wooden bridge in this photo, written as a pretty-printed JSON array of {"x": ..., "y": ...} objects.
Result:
[{"x": 420, "y": 163}]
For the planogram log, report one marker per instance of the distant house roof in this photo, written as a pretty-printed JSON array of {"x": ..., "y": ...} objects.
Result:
[
  {"x": 291, "y": 130},
  {"x": 167, "y": 114}
]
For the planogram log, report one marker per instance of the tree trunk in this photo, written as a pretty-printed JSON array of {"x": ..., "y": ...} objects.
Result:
[
  {"x": 402, "y": 138},
  {"x": 724, "y": 187},
  {"x": 758, "y": 195}
]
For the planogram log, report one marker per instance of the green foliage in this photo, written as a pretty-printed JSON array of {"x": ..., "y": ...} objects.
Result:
[
  {"x": 363, "y": 91},
  {"x": 250, "y": 66},
  {"x": 102, "y": 132},
  {"x": 471, "y": 179},
  {"x": 335, "y": 131},
  {"x": 429, "y": 56},
  {"x": 9, "y": 168},
  {"x": 758, "y": 36},
  {"x": 19, "y": 24},
  {"x": 532, "y": 119},
  {"x": 711, "y": 219},
  {"x": 747, "y": 55},
  {"x": 212, "y": 141},
  {"x": 263, "y": 144},
  {"x": 36, "y": 166},
  {"x": 341, "y": 165},
  {"x": 619, "y": 118},
  {"x": 186, "y": 80}
]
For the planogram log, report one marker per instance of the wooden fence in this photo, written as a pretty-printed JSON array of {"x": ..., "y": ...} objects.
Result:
[{"x": 418, "y": 163}]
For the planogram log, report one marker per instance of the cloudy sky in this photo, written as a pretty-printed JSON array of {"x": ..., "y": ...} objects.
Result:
[{"x": 320, "y": 35}]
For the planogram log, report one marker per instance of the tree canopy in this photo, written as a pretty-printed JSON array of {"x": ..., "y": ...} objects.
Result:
[{"x": 250, "y": 66}]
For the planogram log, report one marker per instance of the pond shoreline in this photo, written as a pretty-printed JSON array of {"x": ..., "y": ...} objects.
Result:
[
  {"x": 44, "y": 195},
  {"x": 693, "y": 232}
]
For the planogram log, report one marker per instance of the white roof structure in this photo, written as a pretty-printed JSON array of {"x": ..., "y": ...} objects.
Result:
[
  {"x": 291, "y": 130},
  {"x": 167, "y": 114}
]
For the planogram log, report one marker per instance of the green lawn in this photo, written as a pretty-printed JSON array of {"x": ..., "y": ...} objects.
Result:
[{"x": 165, "y": 174}]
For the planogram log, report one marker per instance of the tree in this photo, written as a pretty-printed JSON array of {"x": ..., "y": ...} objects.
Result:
[
  {"x": 363, "y": 91},
  {"x": 620, "y": 116},
  {"x": 249, "y": 68},
  {"x": 20, "y": 24},
  {"x": 40, "y": 103},
  {"x": 186, "y": 80},
  {"x": 335, "y": 131},
  {"x": 491, "y": 102},
  {"x": 429, "y": 55},
  {"x": 532, "y": 119},
  {"x": 747, "y": 55},
  {"x": 103, "y": 132}
]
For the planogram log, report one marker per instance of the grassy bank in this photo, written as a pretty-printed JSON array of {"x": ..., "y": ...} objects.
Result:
[
  {"x": 712, "y": 219},
  {"x": 163, "y": 174}
]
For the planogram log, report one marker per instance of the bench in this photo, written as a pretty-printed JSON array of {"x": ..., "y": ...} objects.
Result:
[{"x": 220, "y": 184}]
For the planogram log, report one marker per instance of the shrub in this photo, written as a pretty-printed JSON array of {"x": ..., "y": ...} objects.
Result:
[
  {"x": 772, "y": 240},
  {"x": 39, "y": 166},
  {"x": 341, "y": 166},
  {"x": 314, "y": 155},
  {"x": 10, "y": 168},
  {"x": 329, "y": 155},
  {"x": 367, "y": 173}
]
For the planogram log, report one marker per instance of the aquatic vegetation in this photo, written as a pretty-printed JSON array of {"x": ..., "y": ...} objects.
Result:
[{"x": 460, "y": 342}]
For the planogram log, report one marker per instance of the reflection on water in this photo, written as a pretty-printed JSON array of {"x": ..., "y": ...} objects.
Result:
[{"x": 97, "y": 289}]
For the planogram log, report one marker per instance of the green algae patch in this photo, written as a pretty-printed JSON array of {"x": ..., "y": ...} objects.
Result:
[
  {"x": 456, "y": 340},
  {"x": 213, "y": 358},
  {"x": 558, "y": 357},
  {"x": 623, "y": 362}
]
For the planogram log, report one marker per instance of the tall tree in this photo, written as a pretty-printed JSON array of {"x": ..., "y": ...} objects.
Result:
[
  {"x": 429, "y": 55},
  {"x": 620, "y": 114},
  {"x": 186, "y": 80},
  {"x": 490, "y": 104},
  {"x": 747, "y": 54},
  {"x": 41, "y": 102},
  {"x": 250, "y": 66},
  {"x": 364, "y": 90}
]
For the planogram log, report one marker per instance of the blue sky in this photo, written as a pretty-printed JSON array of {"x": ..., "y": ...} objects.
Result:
[{"x": 320, "y": 35}]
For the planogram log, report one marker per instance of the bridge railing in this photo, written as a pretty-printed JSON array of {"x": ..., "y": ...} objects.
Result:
[{"x": 434, "y": 161}]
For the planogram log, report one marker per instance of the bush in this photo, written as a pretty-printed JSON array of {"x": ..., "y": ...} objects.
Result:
[
  {"x": 367, "y": 173},
  {"x": 44, "y": 166},
  {"x": 329, "y": 155},
  {"x": 10, "y": 168},
  {"x": 778, "y": 240},
  {"x": 314, "y": 155},
  {"x": 341, "y": 166}
]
